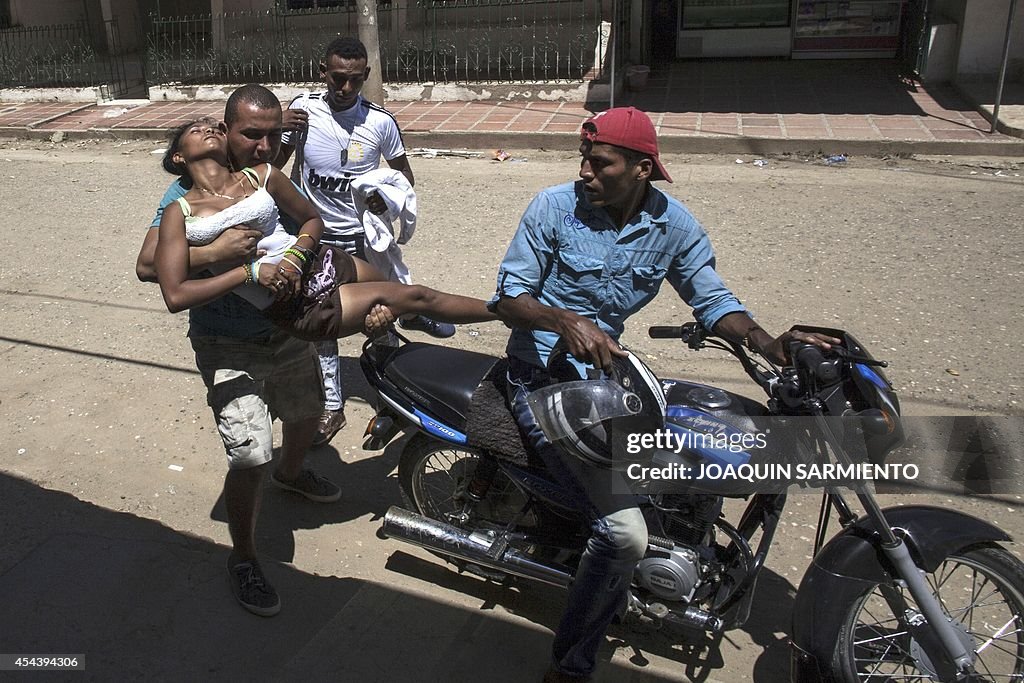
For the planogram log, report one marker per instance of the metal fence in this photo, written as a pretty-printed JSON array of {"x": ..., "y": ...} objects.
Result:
[
  {"x": 264, "y": 46},
  {"x": 77, "y": 55},
  {"x": 51, "y": 56},
  {"x": 464, "y": 41},
  {"x": 458, "y": 41}
]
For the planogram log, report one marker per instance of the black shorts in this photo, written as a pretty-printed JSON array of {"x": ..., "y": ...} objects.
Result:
[{"x": 316, "y": 315}]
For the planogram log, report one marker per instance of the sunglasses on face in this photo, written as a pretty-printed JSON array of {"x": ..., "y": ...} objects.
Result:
[{"x": 339, "y": 80}]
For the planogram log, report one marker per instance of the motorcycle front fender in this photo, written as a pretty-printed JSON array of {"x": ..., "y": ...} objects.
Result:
[{"x": 853, "y": 562}]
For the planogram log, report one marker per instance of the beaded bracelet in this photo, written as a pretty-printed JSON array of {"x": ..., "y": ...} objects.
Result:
[
  {"x": 248, "y": 272},
  {"x": 296, "y": 253},
  {"x": 309, "y": 253}
]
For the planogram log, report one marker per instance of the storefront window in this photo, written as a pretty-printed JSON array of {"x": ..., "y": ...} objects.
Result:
[
  {"x": 845, "y": 18},
  {"x": 704, "y": 14}
]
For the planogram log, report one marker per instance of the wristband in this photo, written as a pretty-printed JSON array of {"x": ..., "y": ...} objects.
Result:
[{"x": 298, "y": 268}]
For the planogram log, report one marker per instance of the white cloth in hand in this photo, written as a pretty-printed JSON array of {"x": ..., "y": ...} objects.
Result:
[{"x": 383, "y": 251}]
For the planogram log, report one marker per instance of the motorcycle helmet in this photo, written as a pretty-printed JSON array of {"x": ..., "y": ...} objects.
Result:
[{"x": 593, "y": 418}]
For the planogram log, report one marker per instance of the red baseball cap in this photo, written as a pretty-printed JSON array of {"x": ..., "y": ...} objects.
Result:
[{"x": 630, "y": 128}]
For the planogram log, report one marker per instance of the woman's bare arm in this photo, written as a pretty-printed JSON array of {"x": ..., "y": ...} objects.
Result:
[
  {"x": 172, "y": 262},
  {"x": 311, "y": 227},
  {"x": 295, "y": 205}
]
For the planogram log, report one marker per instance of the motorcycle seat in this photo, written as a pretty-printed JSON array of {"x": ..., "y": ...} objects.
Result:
[
  {"x": 491, "y": 426},
  {"x": 440, "y": 378}
]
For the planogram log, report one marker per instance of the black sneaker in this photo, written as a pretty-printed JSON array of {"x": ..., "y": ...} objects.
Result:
[
  {"x": 309, "y": 484},
  {"x": 431, "y": 327},
  {"x": 252, "y": 590}
]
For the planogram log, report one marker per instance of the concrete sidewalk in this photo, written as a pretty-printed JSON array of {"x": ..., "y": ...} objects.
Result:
[{"x": 728, "y": 106}]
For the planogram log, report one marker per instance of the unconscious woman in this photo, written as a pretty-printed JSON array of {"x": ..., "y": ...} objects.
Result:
[{"x": 314, "y": 292}]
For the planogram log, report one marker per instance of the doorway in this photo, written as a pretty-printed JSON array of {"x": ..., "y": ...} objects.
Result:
[{"x": 664, "y": 24}]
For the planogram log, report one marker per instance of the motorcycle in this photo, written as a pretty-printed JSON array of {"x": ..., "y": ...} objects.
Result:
[{"x": 903, "y": 593}]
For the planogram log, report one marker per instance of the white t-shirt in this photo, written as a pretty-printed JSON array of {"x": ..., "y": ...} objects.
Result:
[{"x": 338, "y": 147}]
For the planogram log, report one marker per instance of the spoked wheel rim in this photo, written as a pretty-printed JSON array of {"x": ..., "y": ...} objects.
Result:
[
  {"x": 987, "y": 614},
  {"x": 439, "y": 489}
]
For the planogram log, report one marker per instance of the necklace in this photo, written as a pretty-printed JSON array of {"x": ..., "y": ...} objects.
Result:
[
  {"x": 342, "y": 145},
  {"x": 224, "y": 196}
]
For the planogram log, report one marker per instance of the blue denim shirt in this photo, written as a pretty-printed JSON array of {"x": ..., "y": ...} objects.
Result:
[{"x": 569, "y": 254}]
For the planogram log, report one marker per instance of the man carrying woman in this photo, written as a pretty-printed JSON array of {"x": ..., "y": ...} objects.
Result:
[{"x": 251, "y": 369}]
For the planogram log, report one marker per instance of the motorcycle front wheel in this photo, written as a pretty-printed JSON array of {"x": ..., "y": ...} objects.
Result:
[{"x": 980, "y": 589}]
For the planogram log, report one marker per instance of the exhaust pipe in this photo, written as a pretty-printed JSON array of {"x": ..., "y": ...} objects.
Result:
[{"x": 478, "y": 547}]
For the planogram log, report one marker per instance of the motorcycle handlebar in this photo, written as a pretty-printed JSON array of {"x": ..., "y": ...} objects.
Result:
[
  {"x": 806, "y": 355},
  {"x": 694, "y": 335},
  {"x": 809, "y": 358},
  {"x": 665, "y": 332},
  {"x": 691, "y": 334}
]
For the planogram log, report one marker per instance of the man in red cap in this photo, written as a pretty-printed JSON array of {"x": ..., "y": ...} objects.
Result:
[{"x": 586, "y": 256}]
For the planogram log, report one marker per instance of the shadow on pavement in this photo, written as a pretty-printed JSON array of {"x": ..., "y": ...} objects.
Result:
[
  {"x": 143, "y": 601},
  {"x": 769, "y": 86},
  {"x": 367, "y": 488},
  {"x": 699, "y": 657}
]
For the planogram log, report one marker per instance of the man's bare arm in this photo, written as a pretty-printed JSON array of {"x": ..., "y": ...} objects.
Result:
[
  {"x": 586, "y": 341},
  {"x": 233, "y": 247},
  {"x": 740, "y": 327},
  {"x": 294, "y": 121},
  {"x": 401, "y": 164},
  {"x": 283, "y": 155}
]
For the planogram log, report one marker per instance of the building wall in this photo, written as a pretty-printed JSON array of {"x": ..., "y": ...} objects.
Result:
[
  {"x": 950, "y": 9},
  {"x": 982, "y": 33},
  {"x": 246, "y": 5},
  {"x": 129, "y": 15},
  {"x": 183, "y": 8},
  {"x": 127, "y": 12},
  {"x": 35, "y": 13}
]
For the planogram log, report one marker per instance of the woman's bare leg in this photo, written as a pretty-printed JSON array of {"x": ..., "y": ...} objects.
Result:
[
  {"x": 367, "y": 273},
  {"x": 359, "y": 297}
]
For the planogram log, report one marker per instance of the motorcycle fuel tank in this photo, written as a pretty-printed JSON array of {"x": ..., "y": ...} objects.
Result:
[{"x": 707, "y": 427}]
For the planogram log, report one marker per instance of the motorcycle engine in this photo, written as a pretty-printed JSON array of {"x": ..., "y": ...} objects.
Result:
[
  {"x": 671, "y": 569},
  {"x": 669, "y": 574},
  {"x": 688, "y": 518}
]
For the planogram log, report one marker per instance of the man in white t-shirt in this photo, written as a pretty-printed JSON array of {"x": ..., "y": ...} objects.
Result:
[{"x": 337, "y": 136}]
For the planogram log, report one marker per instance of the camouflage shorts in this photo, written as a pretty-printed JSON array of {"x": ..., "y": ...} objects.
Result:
[{"x": 248, "y": 383}]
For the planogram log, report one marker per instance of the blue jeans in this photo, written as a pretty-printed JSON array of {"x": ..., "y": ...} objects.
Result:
[
  {"x": 327, "y": 351},
  {"x": 618, "y": 538}
]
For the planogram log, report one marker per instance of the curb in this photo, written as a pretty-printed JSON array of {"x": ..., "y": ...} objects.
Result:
[
  {"x": 693, "y": 144},
  {"x": 672, "y": 144},
  {"x": 1001, "y": 127},
  {"x": 118, "y": 134}
]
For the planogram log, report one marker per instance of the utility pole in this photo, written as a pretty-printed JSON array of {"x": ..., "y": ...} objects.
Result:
[
  {"x": 366, "y": 21},
  {"x": 1002, "y": 67}
]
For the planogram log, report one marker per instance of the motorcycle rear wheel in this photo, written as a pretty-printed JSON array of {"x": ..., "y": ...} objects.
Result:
[
  {"x": 434, "y": 475},
  {"x": 982, "y": 589}
]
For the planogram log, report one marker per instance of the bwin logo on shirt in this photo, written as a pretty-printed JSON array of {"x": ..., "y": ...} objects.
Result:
[{"x": 327, "y": 183}]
